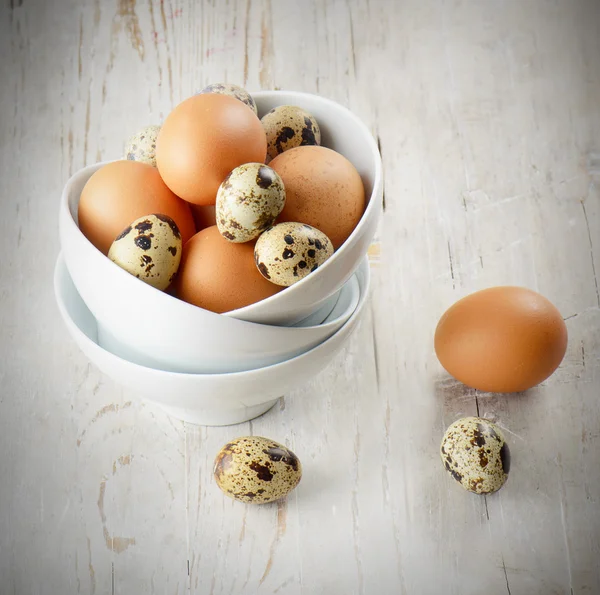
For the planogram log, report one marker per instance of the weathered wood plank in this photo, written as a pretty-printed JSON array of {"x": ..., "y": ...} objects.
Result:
[{"x": 488, "y": 121}]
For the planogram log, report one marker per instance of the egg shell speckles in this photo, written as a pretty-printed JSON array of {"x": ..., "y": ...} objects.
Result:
[
  {"x": 476, "y": 455},
  {"x": 149, "y": 249},
  {"x": 288, "y": 126},
  {"x": 290, "y": 251},
  {"x": 234, "y": 91},
  {"x": 248, "y": 201},
  {"x": 142, "y": 146},
  {"x": 256, "y": 470}
]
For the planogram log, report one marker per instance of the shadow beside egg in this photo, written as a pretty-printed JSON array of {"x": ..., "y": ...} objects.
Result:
[{"x": 447, "y": 387}]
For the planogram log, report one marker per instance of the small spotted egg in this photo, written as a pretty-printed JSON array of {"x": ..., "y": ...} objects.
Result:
[
  {"x": 150, "y": 249},
  {"x": 234, "y": 91},
  {"x": 476, "y": 455},
  {"x": 289, "y": 126},
  {"x": 256, "y": 470},
  {"x": 142, "y": 145},
  {"x": 248, "y": 201},
  {"x": 289, "y": 251}
]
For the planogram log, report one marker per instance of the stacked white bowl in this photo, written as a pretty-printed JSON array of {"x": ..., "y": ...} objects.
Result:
[{"x": 220, "y": 369}]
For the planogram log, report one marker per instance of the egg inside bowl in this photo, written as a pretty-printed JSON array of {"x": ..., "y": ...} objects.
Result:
[
  {"x": 345, "y": 133},
  {"x": 119, "y": 300},
  {"x": 154, "y": 328}
]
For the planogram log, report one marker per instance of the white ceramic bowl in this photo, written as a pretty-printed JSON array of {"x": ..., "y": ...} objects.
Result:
[
  {"x": 205, "y": 399},
  {"x": 156, "y": 329},
  {"x": 128, "y": 304},
  {"x": 227, "y": 344}
]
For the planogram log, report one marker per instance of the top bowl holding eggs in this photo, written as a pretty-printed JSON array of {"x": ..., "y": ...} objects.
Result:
[{"x": 217, "y": 214}]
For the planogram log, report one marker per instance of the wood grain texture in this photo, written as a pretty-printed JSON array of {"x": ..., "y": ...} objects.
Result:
[{"x": 488, "y": 119}]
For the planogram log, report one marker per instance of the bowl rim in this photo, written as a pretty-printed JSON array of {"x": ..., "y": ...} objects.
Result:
[
  {"x": 239, "y": 313},
  {"x": 60, "y": 268},
  {"x": 73, "y": 227}
]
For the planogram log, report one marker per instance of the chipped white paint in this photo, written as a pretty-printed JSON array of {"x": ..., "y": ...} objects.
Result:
[{"x": 489, "y": 125}]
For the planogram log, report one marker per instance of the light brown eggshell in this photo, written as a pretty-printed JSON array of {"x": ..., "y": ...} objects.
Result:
[
  {"x": 202, "y": 140},
  {"x": 323, "y": 189},
  {"x": 501, "y": 339},
  {"x": 204, "y": 216},
  {"x": 121, "y": 192},
  {"x": 218, "y": 275}
]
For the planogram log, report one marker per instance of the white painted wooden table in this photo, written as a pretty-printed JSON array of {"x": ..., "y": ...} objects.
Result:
[{"x": 488, "y": 115}]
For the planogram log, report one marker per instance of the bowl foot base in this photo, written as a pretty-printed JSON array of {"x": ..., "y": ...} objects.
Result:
[{"x": 218, "y": 417}]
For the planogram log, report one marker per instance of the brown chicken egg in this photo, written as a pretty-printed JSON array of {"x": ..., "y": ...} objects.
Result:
[
  {"x": 323, "y": 189},
  {"x": 501, "y": 339},
  {"x": 202, "y": 140},
  {"x": 121, "y": 192},
  {"x": 219, "y": 275},
  {"x": 203, "y": 216}
]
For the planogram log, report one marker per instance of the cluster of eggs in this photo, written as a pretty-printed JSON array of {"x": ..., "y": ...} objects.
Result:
[
  {"x": 225, "y": 209},
  {"x": 501, "y": 340},
  {"x": 219, "y": 207}
]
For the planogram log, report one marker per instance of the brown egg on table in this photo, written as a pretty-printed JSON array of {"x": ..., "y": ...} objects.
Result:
[
  {"x": 256, "y": 470},
  {"x": 501, "y": 339},
  {"x": 202, "y": 140},
  {"x": 219, "y": 275},
  {"x": 121, "y": 192},
  {"x": 323, "y": 189}
]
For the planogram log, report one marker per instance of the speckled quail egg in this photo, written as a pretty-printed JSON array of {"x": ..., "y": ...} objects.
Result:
[
  {"x": 289, "y": 126},
  {"x": 142, "y": 145},
  {"x": 289, "y": 251},
  {"x": 233, "y": 90},
  {"x": 476, "y": 455},
  {"x": 256, "y": 470},
  {"x": 150, "y": 249},
  {"x": 248, "y": 201}
]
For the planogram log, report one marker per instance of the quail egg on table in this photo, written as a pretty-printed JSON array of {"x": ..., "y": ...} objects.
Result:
[
  {"x": 142, "y": 145},
  {"x": 256, "y": 470},
  {"x": 289, "y": 126},
  {"x": 248, "y": 201},
  {"x": 149, "y": 249},
  {"x": 476, "y": 455},
  {"x": 234, "y": 91},
  {"x": 288, "y": 252}
]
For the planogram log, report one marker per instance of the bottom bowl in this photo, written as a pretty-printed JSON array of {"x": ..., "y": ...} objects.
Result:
[{"x": 203, "y": 399}]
